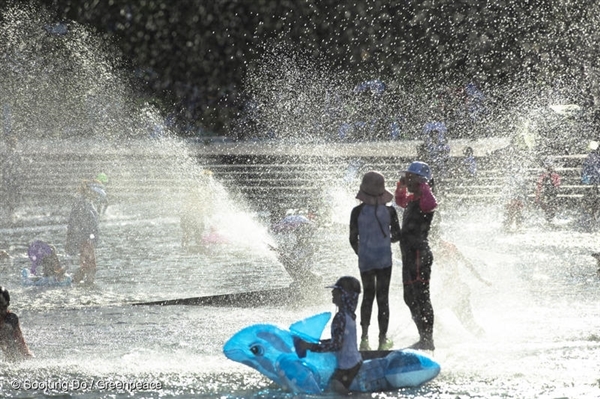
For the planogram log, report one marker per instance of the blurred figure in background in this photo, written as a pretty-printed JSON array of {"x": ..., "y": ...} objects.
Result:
[
  {"x": 590, "y": 175},
  {"x": 546, "y": 193},
  {"x": 99, "y": 186},
  {"x": 11, "y": 178},
  {"x": 198, "y": 208},
  {"x": 36, "y": 252},
  {"x": 596, "y": 255},
  {"x": 296, "y": 248},
  {"x": 11, "y": 338},
  {"x": 83, "y": 233},
  {"x": 469, "y": 163},
  {"x": 455, "y": 293}
]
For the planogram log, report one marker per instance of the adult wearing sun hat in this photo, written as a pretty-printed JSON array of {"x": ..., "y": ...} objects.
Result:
[
  {"x": 373, "y": 227},
  {"x": 413, "y": 193}
]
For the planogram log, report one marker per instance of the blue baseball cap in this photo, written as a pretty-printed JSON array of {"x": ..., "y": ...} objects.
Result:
[{"x": 419, "y": 168}]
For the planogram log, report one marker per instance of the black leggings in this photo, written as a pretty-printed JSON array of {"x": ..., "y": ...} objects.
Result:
[
  {"x": 417, "y": 297},
  {"x": 376, "y": 283},
  {"x": 416, "y": 272}
]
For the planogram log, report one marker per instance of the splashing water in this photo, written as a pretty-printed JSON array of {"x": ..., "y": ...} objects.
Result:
[{"x": 74, "y": 116}]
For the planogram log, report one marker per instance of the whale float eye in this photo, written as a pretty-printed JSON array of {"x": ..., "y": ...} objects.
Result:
[{"x": 257, "y": 350}]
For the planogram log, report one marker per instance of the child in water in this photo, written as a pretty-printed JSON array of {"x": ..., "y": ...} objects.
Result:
[
  {"x": 11, "y": 339},
  {"x": 52, "y": 269},
  {"x": 343, "y": 341}
]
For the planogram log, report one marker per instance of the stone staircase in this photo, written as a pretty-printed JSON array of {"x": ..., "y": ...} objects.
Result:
[{"x": 141, "y": 172}]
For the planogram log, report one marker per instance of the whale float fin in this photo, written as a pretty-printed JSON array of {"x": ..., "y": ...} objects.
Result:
[{"x": 311, "y": 328}]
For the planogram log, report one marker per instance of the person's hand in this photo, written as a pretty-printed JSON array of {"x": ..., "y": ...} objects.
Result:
[
  {"x": 301, "y": 346},
  {"x": 401, "y": 183}
]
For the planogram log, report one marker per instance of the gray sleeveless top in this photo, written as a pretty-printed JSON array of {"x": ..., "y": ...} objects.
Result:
[
  {"x": 349, "y": 356},
  {"x": 375, "y": 248}
]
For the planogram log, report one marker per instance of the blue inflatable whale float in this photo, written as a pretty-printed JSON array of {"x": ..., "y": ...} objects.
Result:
[{"x": 270, "y": 350}]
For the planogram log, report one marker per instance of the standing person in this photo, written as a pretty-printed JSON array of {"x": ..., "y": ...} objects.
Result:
[
  {"x": 343, "y": 340},
  {"x": 373, "y": 227},
  {"x": 414, "y": 195},
  {"x": 469, "y": 163},
  {"x": 454, "y": 289},
  {"x": 11, "y": 338},
  {"x": 99, "y": 186},
  {"x": 546, "y": 193},
  {"x": 590, "y": 175},
  {"x": 437, "y": 148},
  {"x": 11, "y": 177},
  {"x": 296, "y": 249},
  {"x": 83, "y": 233}
]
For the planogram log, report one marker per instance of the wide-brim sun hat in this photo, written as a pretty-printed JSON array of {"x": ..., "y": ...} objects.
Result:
[
  {"x": 419, "y": 168},
  {"x": 372, "y": 189},
  {"x": 593, "y": 145}
]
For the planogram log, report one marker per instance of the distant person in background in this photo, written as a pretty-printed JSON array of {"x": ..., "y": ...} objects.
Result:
[
  {"x": 590, "y": 175},
  {"x": 454, "y": 291},
  {"x": 11, "y": 338},
  {"x": 374, "y": 227},
  {"x": 590, "y": 170},
  {"x": 515, "y": 207},
  {"x": 83, "y": 233},
  {"x": 546, "y": 193},
  {"x": 51, "y": 268},
  {"x": 11, "y": 178},
  {"x": 296, "y": 248},
  {"x": 414, "y": 194},
  {"x": 99, "y": 186},
  {"x": 437, "y": 149},
  {"x": 422, "y": 154},
  {"x": 192, "y": 219},
  {"x": 36, "y": 252},
  {"x": 515, "y": 192},
  {"x": 198, "y": 208},
  {"x": 596, "y": 255},
  {"x": 6, "y": 263},
  {"x": 469, "y": 163}
]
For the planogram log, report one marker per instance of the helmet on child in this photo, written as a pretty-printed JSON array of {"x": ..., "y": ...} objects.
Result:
[
  {"x": 420, "y": 168},
  {"x": 4, "y": 297},
  {"x": 348, "y": 284}
]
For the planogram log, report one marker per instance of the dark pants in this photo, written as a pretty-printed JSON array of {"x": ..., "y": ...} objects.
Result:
[
  {"x": 417, "y": 298},
  {"x": 416, "y": 272},
  {"x": 342, "y": 378},
  {"x": 376, "y": 284}
]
